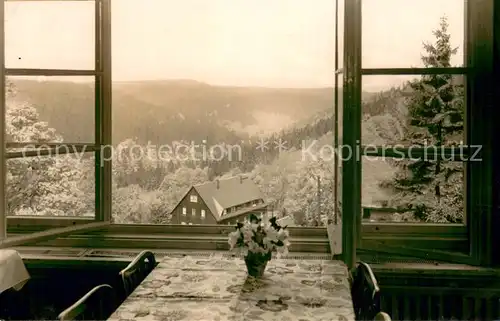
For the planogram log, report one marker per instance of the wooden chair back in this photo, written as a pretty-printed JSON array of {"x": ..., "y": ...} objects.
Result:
[
  {"x": 137, "y": 271},
  {"x": 365, "y": 293},
  {"x": 382, "y": 316},
  {"x": 97, "y": 304}
]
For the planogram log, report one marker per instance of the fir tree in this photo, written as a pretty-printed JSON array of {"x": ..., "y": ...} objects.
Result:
[{"x": 435, "y": 118}]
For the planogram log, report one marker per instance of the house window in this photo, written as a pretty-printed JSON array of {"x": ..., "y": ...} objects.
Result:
[
  {"x": 193, "y": 211},
  {"x": 193, "y": 199},
  {"x": 202, "y": 214},
  {"x": 184, "y": 211},
  {"x": 183, "y": 223}
]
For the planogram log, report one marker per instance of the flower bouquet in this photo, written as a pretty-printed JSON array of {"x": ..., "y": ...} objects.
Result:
[{"x": 257, "y": 240}]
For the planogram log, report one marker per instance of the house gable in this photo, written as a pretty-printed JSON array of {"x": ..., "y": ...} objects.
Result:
[{"x": 178, "y": 217}]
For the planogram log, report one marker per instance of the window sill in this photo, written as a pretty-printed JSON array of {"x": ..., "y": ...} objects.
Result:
[{"x": 376, "y": 236}]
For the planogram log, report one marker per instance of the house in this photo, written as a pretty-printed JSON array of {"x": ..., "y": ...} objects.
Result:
[{"x": 224, "y": 201}]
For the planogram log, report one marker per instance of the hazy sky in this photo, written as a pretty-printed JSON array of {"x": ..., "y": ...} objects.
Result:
[{"x": 238, "y": 42}]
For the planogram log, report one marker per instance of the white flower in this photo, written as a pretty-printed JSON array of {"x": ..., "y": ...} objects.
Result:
[
  {"x": 272, "y": 234},
  {"x": 259, "y": 238},
  {"x": 267, "y": 243},
  {"x": 282, "y": 234},
  {"x": 233, "y": 238},
  {"x": 282, "y": 251},
  {"x": 247, "y": 234}
]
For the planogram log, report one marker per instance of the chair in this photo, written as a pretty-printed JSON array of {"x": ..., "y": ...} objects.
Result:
[
  {"x": 98, "y": 304},
  {"x": 365, "y": 293},
  {"x": 382, "y": 316},
  {"x": 137, "y": 271}
]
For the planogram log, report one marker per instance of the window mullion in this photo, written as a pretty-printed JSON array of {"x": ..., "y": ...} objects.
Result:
[
  {"x": 51, "y": 151},
  {"x": 496, "y": 152},
  {"x": 480, "y": 113},
  {"x": 352, "y": 115},
  {"x": 3, "y": 169},
  {"x": 98, "y": 110},
  {"x": 49, "y": 72},
  {"x": 454, "y": 154},
  {"x": 106, "y": 122},
  {"x": 414, "y": 71}
]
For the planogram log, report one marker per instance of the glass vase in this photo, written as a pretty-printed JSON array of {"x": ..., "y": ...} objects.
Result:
[{"x": 256, "y": 264}]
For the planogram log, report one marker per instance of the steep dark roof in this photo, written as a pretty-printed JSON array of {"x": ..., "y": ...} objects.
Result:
[{"x": 231, "y": 192}]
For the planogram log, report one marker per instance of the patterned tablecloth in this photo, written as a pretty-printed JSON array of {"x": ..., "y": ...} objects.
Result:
[{"x": 217, "y": 288}]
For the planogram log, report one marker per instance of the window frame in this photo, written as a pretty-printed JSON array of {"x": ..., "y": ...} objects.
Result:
[
  {"x": 45, "y": 228},
  {"x": 358, "y": 236},
  {"x": 102, "y": 86},
  {"x": 352, "y": 230}
]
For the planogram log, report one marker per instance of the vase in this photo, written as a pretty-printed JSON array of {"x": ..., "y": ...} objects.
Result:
[{"x": 256, "y": 264}]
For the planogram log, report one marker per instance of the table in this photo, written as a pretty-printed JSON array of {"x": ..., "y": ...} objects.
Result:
[{"x": 217, "y": 288}]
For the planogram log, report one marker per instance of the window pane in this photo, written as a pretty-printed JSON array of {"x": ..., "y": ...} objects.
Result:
[
  {"x": 222, "y": 84},
  {"x": 47, "y": 110},
  {"x": 340, "y": 34},
  {"x": 56, "y": 185},
  {"x": 50, "y": 34},
  {"x": 420, "y": 111},
  {"x": 393, "y": 31},
  {"x": 412, "y": 191}
]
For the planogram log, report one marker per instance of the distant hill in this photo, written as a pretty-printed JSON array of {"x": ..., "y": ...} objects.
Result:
[
  {"x": 163, "y": 111},
  {"x": 384, "y": 114}
]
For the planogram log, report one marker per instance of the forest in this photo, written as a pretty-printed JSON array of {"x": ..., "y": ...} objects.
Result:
[{"x": 428, "y": 109}]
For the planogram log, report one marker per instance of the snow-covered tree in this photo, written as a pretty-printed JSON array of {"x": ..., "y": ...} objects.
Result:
[
  {"x": 133, "y": 204},
  {"x": 311, "y": 191},
  {"x": 47, "y": 185},
  {"x": 273, "y": 179},
  {"x": 428, "y": 187}
]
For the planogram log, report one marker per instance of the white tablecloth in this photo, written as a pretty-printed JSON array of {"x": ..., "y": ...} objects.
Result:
[
  {"x": 13, "y": 273},
  {"x": 218, "y": 288}
]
